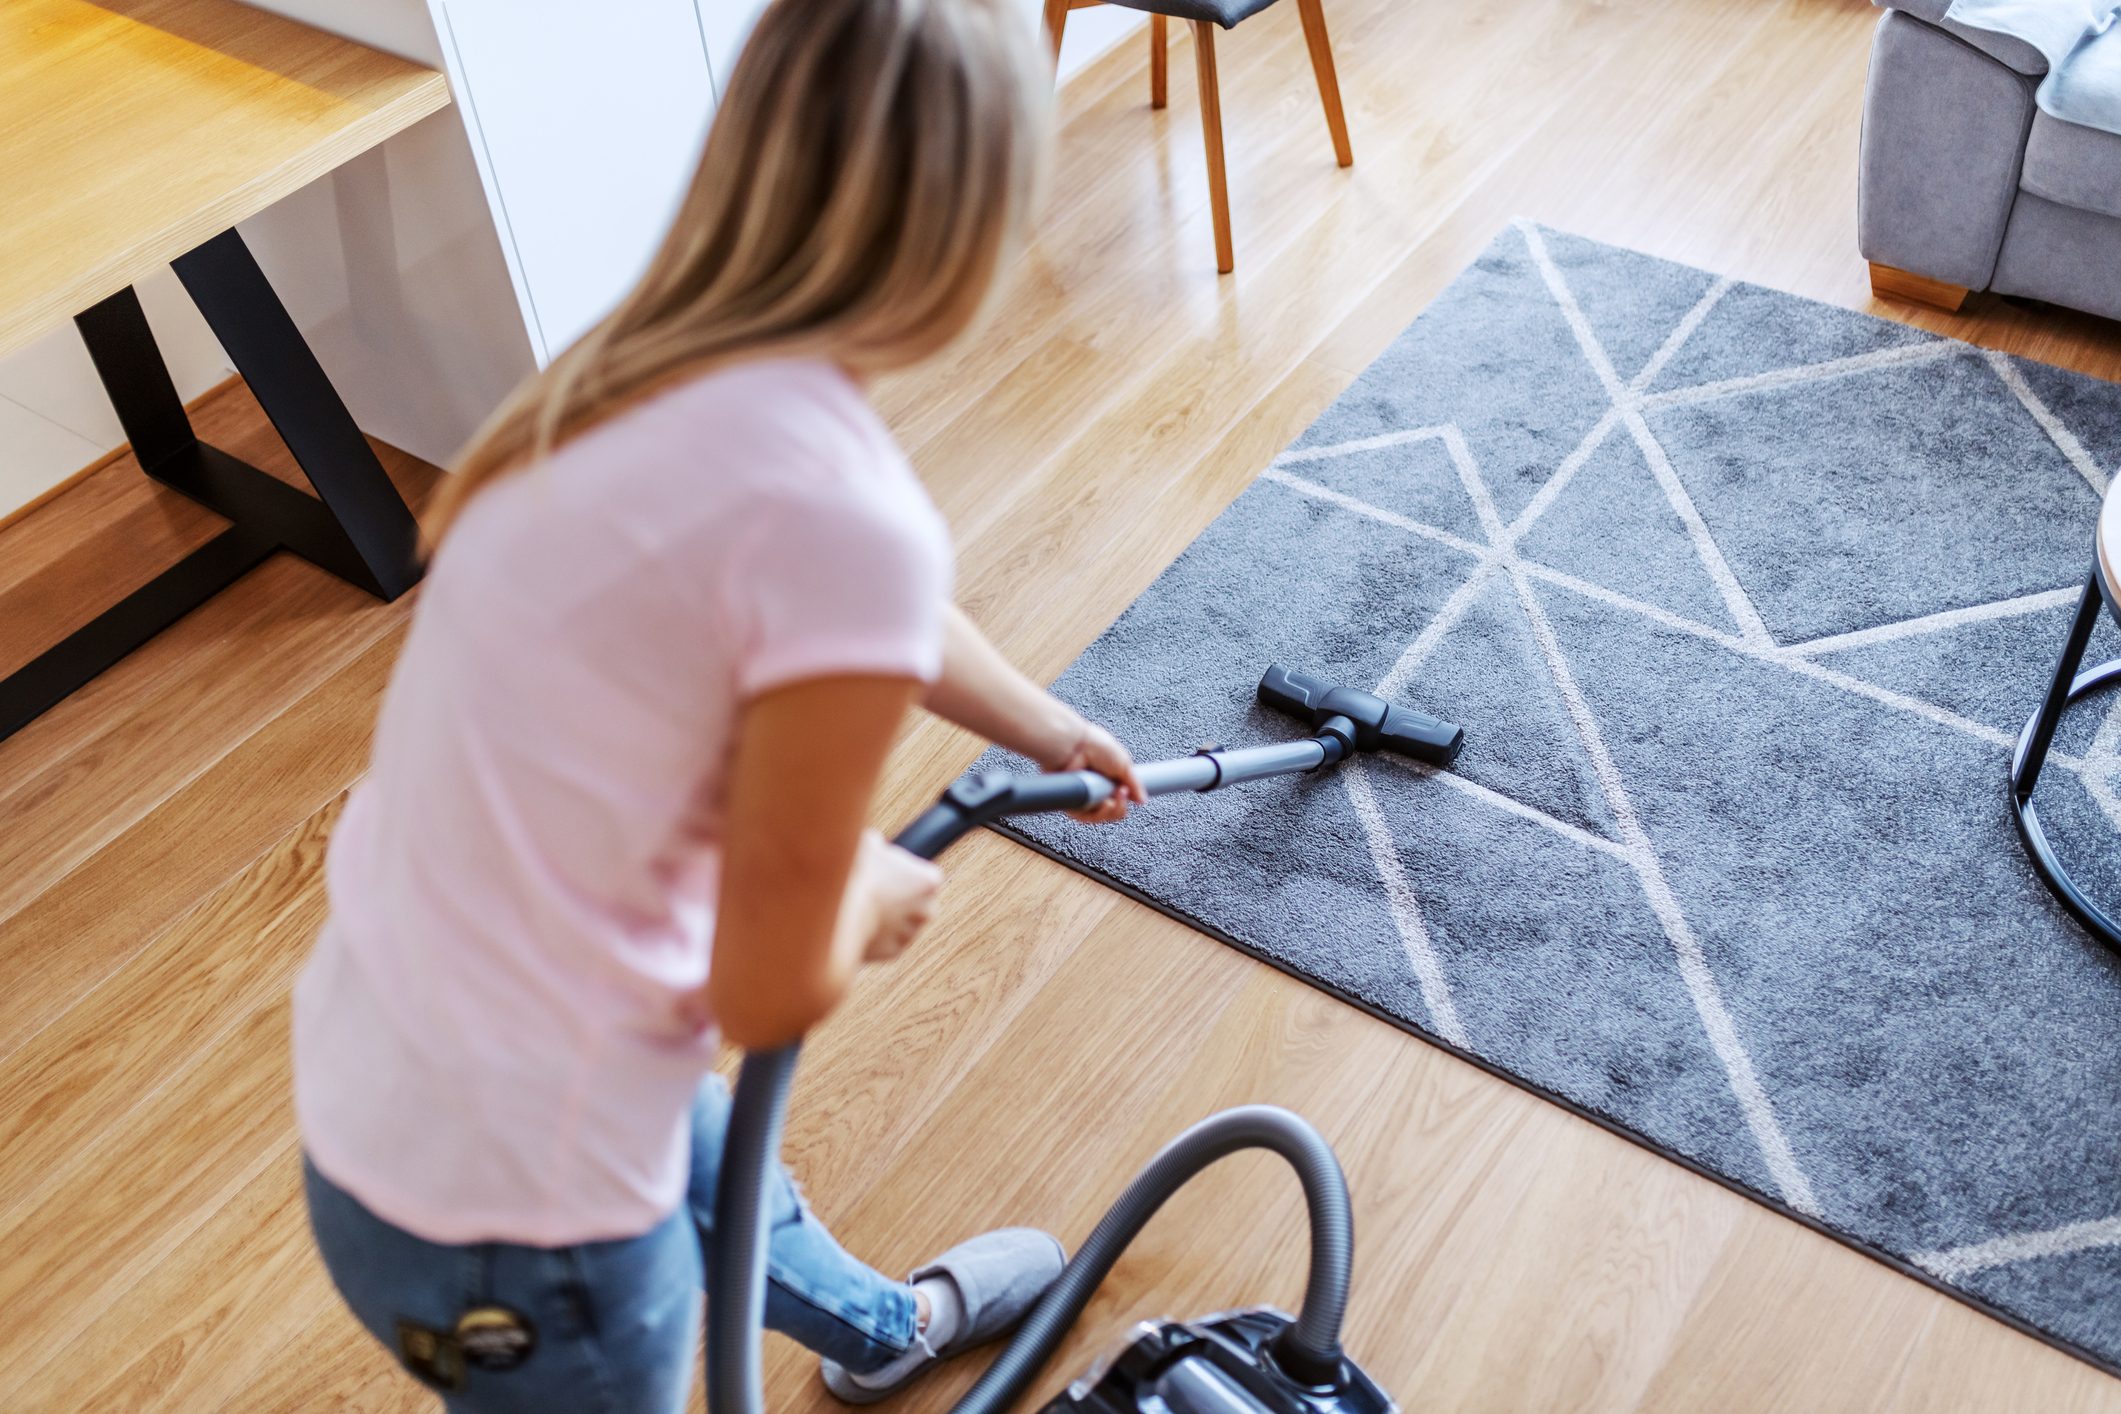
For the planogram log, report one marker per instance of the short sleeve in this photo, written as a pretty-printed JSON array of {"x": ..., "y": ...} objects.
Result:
[{"x": 835, "y": 588}]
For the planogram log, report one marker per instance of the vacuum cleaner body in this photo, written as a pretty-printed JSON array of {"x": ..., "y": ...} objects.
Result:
[{"x": 1221, "y": 1364}]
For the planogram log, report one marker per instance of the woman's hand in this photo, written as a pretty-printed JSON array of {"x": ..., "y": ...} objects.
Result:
[
  {"x": 1083, "y": 745},
  {"x": 897, "y": 892},
  {"x": 980, "y": 692}
]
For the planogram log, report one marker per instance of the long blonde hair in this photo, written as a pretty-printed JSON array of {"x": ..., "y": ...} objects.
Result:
[{"x": 869, "y": 171}]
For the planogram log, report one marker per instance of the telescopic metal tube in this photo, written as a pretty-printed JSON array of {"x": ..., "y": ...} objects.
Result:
[
  {"x": 1212, "y": 770},
  {"x": 1187, "y": 773},
  {"x": 1255, "y": 763}
]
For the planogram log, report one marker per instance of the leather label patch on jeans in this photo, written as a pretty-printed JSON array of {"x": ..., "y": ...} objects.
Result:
[{"x": 495, "y": 1337}]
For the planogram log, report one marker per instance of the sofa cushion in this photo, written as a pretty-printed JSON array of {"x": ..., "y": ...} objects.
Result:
[
  {"x": 2062, "y": 254},
  {"x": 2003, "y": 48},
  {"x": 2073, "y": 165}
]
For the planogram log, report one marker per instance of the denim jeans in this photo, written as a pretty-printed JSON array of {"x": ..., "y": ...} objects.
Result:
[{"x": 617, "y": 1323}]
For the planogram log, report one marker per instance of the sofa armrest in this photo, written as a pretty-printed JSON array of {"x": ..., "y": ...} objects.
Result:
[{"x": 1944, "y": 130}]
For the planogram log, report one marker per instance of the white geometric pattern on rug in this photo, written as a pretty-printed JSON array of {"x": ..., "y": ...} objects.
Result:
[{"x": 1498, "y": 554}]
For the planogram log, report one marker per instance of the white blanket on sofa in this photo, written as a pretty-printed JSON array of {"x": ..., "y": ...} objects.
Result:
[{"x": 2081, "y": 40}]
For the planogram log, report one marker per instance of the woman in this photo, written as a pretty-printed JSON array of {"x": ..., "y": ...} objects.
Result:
[{"x": 686, "y": 590}]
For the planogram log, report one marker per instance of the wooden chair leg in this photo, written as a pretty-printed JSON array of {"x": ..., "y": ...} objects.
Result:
[
  {"x": 1056, "y": 26},
  {"x": 1314, "y": 17},
  {"x": 1890, "y": 282},
  {"x": 1159, "y": 65},
  {"x": 1211, "y": 126}
]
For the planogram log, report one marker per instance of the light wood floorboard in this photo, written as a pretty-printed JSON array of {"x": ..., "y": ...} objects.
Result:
[{"x": 160, "y": 834}]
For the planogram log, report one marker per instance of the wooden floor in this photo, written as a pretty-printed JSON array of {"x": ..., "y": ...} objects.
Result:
[{"x": 160, "y": 834}]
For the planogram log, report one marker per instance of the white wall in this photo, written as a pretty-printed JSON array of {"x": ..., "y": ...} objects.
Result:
[
  {"x": 393, "y": 265},
  {"x": 54, "y": 418},
  {"x": 392, "y": 268},
  {"x": 1089, "y": 33}
]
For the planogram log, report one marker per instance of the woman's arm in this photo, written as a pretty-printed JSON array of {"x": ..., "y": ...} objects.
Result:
[
  {"x": 982, "y": 691},
  {"x": 795, "y": 913}
]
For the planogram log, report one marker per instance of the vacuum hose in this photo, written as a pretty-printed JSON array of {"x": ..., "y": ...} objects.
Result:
[
  {"x": 736, "y": 1269},
  {"x": 1309, "y": 1350}
]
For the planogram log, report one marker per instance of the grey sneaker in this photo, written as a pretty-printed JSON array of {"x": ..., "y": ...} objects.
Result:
[{"x": 1001, "y": 1275}]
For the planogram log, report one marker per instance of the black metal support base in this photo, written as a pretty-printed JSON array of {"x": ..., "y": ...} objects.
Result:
[
  {"x": 2038, "y": 739},
  {"x": 356, "y": 526}
]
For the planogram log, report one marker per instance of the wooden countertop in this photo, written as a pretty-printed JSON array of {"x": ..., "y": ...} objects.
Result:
[{"x": 132, "y": 130}]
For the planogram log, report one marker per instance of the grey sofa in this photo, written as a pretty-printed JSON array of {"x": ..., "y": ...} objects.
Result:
[{"x": 1967, "y": 186}]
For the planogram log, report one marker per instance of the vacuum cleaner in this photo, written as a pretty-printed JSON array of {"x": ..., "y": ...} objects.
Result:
[{"x": 1254, "y": 1361}]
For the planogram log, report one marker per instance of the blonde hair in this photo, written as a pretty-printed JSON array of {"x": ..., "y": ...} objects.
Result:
[{"x": 869, "y": 171}]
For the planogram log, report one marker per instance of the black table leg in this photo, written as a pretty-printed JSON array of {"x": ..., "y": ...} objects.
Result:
[
  {"x": 356, "y": 526},
  {"x": 268, "y": 350},
  {"x": 2038, "y": 739}
]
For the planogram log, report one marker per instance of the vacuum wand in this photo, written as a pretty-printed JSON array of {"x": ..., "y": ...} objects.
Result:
[{"x": 1346, "y": 720}]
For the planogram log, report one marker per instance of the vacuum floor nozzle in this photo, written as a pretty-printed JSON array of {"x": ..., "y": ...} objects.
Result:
[{"x": 1379, "y": 725}]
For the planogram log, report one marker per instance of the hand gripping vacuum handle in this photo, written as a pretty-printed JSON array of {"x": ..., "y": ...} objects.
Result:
[{"x": 1379, "y": 726}]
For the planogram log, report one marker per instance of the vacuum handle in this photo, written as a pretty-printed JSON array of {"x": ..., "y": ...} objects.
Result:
[
  {"x": 934, "y": 830},
  {"x": 1069, "y": 790},
  {"x": 980, "y": 800}
]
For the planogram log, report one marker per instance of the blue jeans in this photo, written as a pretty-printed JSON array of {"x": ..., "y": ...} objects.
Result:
[{"x": 617, "y": 1323}]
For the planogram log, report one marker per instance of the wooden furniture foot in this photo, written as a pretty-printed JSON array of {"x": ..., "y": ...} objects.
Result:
[
  {"x": 1159, "y": 65},
  {"x": 1888, "y": 282},
  {"x": 1211, "y": 126},
  {"x": 1314, "y": 18}
]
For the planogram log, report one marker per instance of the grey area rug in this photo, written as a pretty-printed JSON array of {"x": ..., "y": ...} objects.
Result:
[{"x": 1741, "y": 600}]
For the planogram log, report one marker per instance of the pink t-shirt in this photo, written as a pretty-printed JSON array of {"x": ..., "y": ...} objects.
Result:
[{"x": 487, "y": 1045}]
